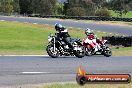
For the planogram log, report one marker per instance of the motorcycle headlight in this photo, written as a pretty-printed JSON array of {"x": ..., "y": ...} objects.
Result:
[{"x": 49, "y": 38}]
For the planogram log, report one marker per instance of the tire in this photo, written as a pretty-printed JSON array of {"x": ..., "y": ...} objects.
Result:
[
  {"x": 107, "y": 52},
  {"x": 78, "y": 54},
  {"x": 50, "y": 53},
  {"x": 88, "y": 51}
]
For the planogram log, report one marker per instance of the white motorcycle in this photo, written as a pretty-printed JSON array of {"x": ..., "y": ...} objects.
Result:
[{"x": 94, "y": 47}]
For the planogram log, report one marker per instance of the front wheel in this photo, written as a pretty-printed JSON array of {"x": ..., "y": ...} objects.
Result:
[
  {"x": 88, "y": 51},
  {"x": 80, "y": 53},
  {"x": 51, "y": 52},
  {"x": 107, "y": 52}
]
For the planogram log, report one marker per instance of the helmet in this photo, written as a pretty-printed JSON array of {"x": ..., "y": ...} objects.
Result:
[
  {"x": 58, "y": 26},
  {"x": 88, "y": 31}
]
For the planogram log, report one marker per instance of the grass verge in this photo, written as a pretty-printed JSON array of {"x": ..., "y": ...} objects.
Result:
[
  {"x": 25, "y": 38},
  {"x": 127, "y": 15},
  {"x": 123, "y": 51},
  {"x": 71, "y": 85}
]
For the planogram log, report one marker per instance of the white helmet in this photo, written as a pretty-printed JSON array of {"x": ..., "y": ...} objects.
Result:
[{"x": 88, "y": 31}]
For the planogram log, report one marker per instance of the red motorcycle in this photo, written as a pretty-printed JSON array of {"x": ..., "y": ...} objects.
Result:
[{"x": 96, "y": 46}]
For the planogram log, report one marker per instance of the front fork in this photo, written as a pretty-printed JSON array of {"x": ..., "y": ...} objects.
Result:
[
  {"x": 76, "y": 47},
  {"x": 54, "y": 45}
]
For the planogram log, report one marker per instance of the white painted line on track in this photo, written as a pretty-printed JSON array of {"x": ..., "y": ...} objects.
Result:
[
  {"x": 2, "y": 20},
  {"x": 35, "y": 23},
  {"x": 23, "y": 55},
  {"x": 34, "y": 72}
]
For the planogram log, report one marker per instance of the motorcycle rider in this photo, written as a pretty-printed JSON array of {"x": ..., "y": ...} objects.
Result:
[
  {"x": 63, "y": 34},
  {"x": 92, "y": 39}
]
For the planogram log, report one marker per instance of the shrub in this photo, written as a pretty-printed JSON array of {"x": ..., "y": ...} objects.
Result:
[
  {"x": 76, "y": 11},
  {"x": 103, "y": 12}
]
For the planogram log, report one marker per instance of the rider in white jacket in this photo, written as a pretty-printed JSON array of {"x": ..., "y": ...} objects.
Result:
[{"x": 92, "y": 39}]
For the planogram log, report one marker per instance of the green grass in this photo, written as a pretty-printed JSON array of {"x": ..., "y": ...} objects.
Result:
[
  {"x": 127, "y": 51},
  {"x": 20, "y": 37},
  {"x": 25, "y": 38},
  {"x": 127, "y": 15},
  {"x": 72, "y": 85}
]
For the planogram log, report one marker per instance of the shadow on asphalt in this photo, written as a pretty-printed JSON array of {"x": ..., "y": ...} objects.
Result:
[
  {"x": 74, "y": 57},
  {"x": 58, "y": 57}
]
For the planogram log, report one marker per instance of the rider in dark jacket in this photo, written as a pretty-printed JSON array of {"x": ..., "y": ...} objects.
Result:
[{"x": 63, "y": 34}]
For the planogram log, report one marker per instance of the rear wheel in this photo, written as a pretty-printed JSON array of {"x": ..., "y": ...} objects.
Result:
[
  {"x": 107, "y": 52},
  {"x": 51, "y": 52}
]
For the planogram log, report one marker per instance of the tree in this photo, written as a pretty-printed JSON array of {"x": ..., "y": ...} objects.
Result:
[
  {"x": 59, "y": 9},
  {"x": 46, "y": 7},
  {"x": 130, "y": 6},
  {"x": 34, "y": 6},
  {"x": 120, "y": 6},
  {"x": 76, "y": 11},
  {"x": 6, "y": 7},
  {"x": 16, "y": 6},
  {"x": 25, "y": 6},
  {"x": 99, "y": 3},
  {"x": 103, "y": 12},
  {"x": 90, "y": 6},
  {"x": 43, "y": 7}
]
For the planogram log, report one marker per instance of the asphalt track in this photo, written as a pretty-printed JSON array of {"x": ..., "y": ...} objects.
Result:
[
  {"x": 20, "y": 70},
  {"x": 125, "y": 30}
]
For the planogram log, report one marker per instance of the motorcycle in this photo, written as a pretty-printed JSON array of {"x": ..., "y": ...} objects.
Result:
[
  {"x": 57, "y": 47},
  {"x": 100, "y": 45}
]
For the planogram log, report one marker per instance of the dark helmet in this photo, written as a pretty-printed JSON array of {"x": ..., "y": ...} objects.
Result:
[{"x": 58, "y": 27}]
